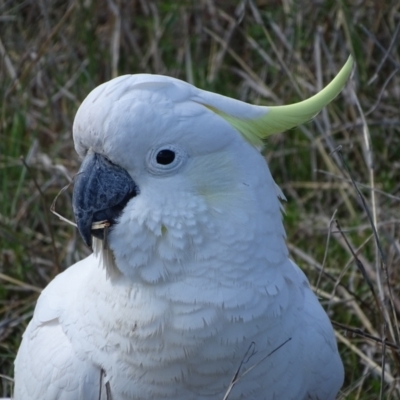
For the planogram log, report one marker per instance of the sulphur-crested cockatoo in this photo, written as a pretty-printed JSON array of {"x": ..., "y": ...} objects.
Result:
[{"x": 193, "y": 277}]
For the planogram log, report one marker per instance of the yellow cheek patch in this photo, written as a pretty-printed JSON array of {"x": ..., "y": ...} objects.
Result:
[{"x": 216, "y": 179}]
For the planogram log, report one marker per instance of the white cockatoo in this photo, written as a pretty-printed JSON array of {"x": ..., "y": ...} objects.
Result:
[{"x": 192, "y": 280}]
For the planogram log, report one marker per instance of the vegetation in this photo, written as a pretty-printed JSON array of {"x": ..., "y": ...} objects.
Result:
[{"x": 266, "y": 52}]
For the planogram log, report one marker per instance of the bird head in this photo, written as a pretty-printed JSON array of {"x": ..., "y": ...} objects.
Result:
[{"x": 174, "y": 169}]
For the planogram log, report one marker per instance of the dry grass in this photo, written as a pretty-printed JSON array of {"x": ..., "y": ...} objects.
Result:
[{"x": 267, "y": 52}]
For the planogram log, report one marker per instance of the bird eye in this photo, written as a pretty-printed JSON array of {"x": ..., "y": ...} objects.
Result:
[{"x": 165, "y": 157}]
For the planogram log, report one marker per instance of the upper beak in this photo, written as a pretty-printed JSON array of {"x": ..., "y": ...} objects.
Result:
[{"x": 101, "y": 191}]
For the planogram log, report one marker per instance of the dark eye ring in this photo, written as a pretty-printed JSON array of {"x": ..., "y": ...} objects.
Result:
[{"x": 165, "y": 157}]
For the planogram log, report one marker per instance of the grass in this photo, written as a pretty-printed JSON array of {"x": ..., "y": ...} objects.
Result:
[{"x": 263, "y": 52}]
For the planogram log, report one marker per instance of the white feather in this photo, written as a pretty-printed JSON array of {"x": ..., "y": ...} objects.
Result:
[{"x": 197, "y": 269}]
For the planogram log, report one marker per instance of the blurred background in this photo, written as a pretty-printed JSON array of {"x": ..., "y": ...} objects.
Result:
[{"x": 340, "y": 172}]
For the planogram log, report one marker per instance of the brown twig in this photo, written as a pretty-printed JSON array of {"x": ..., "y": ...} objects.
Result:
[{"x": 46, "y": 215}]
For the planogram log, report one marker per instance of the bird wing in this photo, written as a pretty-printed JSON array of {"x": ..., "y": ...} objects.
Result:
[
  {"x": 47, "y": 366},
  {"x": 321, "y": 359}
]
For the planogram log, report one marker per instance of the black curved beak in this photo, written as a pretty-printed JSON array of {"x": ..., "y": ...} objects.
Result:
[{"x": 101, "y": 191}]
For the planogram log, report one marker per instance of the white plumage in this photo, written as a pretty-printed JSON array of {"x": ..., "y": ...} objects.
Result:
[{"x": 197, "y": 268}]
